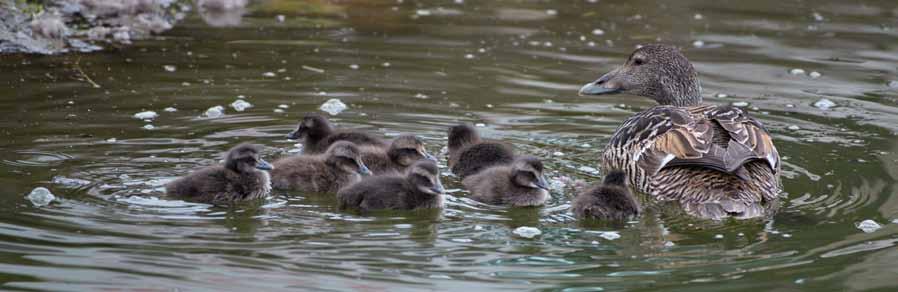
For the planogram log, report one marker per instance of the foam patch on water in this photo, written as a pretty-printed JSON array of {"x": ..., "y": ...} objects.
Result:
[
  {"x": 241, "y": 105},
  {"x": 824, "y": 104},
  {"x": 527, "y": 232},
  {"x": 214, "y": 112},
  {"x": 69, "y": 182},
  {"x": 868, "y": 226},
  {"x": 333, "y": 106},
  {"x": 40, "y": 197},
  {"x": 146, "y": 115}
]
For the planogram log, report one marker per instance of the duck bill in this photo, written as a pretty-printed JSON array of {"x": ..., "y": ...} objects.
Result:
[
  {"x": 438, "y": 188},
  {"x": 363, "y": 170},
  {"x": 293, "y": 135},
  {"x": 264, "y": 165},
  {"x": 603, "y": 85},
  {"x": 542, "y": 183}
]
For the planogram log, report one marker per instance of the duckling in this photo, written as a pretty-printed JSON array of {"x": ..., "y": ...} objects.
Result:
[
  {"x": 241, "y": 178},
  {"x": 405, "y": 150},
  {"x": 420, "y": 188},
  {"x": 340, "y": 166},
  {"x": 468, "y": 154},
  {"x": 610, "y": 200},
  {"x": 716, "y": 161},
  {"x": 520, "y": 184},
  {"x": 318, "y": 134}
]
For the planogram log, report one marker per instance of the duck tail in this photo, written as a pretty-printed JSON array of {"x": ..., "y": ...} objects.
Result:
[{"x": 616, "y": 178}]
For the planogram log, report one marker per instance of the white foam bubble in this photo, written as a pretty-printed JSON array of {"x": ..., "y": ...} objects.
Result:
[
  {"x": 333, "y": 106},
  {"x": 527, "y": 232},
  {"x": 241, "y": 105},
  {"x": 40, "y": 197}
]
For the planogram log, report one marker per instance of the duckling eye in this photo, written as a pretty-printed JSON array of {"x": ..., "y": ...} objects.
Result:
[{"x": 638, "y": 61}]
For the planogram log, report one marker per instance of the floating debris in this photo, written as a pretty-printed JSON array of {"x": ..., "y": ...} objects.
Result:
[
  {"x": 149, "y": 127},
  {"x": 469, "y": 56},
  {"x": 214, "y": 112},
  {"x": 147, "y": 115},
  {"x": 824, "y": 104},
  {"x": 386, "y": 64},
  {"x": 698, "y": 16},
  {"x": 333, "y": 106},
  {"x": 558, "y": 153},
  {"x": 598, "y": 32},
  {"x": 280, "y": 18},
  {"x": 698, "y": 44},
  {"x": 354, "y": 66},
  {"x": 868, "y": 226},
  {"x": 480, "y": 125},
  {"x": 721, "y": 95},
  {"x": 815, "y": 74},
  {"x": 817, "y": 16},
  {"x": 69, "y": 182},
  {"x": 421, "y": 96},
  {"x": 797, "y": 71},
  {"x": 588, "y": 169},
  {"x": 793, "y": 128},
  {"x": 740, "y": 104},
  {"x": 112, "y": 140},
  {"x": 423, "y": 12},
  {"x": 40, "y": 197},
  {"x": 527, "y": 232},
  {"x": 609, "y": 235},
  {"x": 313, "y": 69},
  {"x": 241, "y": 105},
  {"x": 718, "y": 236},
  {"x": 478, "y": 228},
  {"x": 170, "y": 68},
  {"x": 170, "y": 110},
  {"x": 269, "y": 74},
  {"x": 283, "y": 106}
]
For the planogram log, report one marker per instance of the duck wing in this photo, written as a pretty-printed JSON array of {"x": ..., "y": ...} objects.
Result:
[{"x": 721, "y": 138}]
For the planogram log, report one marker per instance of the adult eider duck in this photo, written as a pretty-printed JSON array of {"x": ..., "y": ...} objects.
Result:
[
  {"x": 317, "y": 134},
  {"x": 419, "y": 188},
  {"x": 243, "y": 177},
  {"x": 468, "y": 154},
  {"x": 519, "y": 184},
  {"x": 340, "y": 166},
  {"x": 610, "y": 201},
  {"x": 715, "y": 160},
  {"x": 403, "y": 151}
]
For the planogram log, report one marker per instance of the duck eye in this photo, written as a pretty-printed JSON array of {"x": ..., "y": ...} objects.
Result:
[{"x": 638, "y": 61}]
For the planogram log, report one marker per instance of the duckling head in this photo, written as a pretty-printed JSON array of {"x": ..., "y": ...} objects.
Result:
[
  {"x": 345, "y": 156},
  {"x": 311, "y": 126},
  {"x": 425, "y": 176},
  {"x": 615, "y": 198},
  {"x": 406, "y": 149},
  {"x": 527, "y": 172},
  {"x": 461, "y": 135},
  {"x": 656, "y": 71},
  {"x": 244, "y": 158}
]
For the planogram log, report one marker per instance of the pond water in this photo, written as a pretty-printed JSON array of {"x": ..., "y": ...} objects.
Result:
[{"x": 420, "y": 67}]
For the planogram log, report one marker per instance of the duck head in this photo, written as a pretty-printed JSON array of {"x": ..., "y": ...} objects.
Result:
[
  {"x": 424, "y": 175},
  {"x": 406, "y": 149},
  {"x": 345, "y": 156},
  {"x": 656, "y": 71},
  {"x": 245, "y": 158},
  {"x": 527, "y": 172},
  {"x": 463, "y": 134},
  {"x": 314, "y": 126}
]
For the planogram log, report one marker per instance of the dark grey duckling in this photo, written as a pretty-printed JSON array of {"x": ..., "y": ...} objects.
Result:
[
  {"x": 241, "y": 178},
  {"x": 520, "y": 184},
  {"x": 468, "y": 154},
  {"x": 318, "y": 134},
  {"x": 340, "y": 166},
  {"x": 611, "y": 200},
  {"x": 420, "y": 188},
  {"x": 405, "y": 150}
]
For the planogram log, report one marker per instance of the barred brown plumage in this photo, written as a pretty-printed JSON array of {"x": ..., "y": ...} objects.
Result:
[{"x": 716, "y": 161}]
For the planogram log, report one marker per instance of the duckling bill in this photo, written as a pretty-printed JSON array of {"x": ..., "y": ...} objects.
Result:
[
  {"x": 243, "y": 177},
  {"x": 318, "y": 135},
  {"x": 610, "y": 200},
  {"x": 340, "y": 166},
  {"x": 520, "y": 184},
  {"x": 420, "y": 188}
]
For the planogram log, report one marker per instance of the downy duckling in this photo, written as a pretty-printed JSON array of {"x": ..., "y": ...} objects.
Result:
[
  {"x": 405, "y": 150},
  {"x": 610, "y": 200},
  {"x": 468, "y": 154},
  {"x": 420, "y": 188},
  {"x": 520, "y": 184},
  {"x": 241, "y": 178},
  {"x": 340, "y": 166},
  {"x": 318, "y": 134}
]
